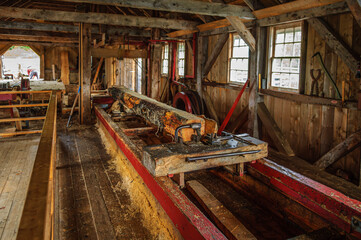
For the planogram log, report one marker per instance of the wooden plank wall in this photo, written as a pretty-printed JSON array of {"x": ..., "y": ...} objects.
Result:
[{"x": 312, "y": 130}]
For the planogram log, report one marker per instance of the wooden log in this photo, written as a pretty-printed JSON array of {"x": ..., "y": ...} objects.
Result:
[
  {"x": 161, "y": 160},
  {"x": 160, "y": 114},
  {"x": 221, "y": 216},
  {"x": 182, "y": 6},
  {"x": 341, "y": 150},
  {"x": 273, "y": 130},
  {"x": 215, "y": 53},
  {"x": 118, "y": 53},
  {"x": 335, "y": 42},
  {"x": 95, "y": 18},
  {"x": 243, "y": 32},
  {"x": 37, "y": 217}
]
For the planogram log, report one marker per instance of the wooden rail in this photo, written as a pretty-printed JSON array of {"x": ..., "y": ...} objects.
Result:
[
  {"x": 24, "y": 92},
  {"x": 25, "y": 105},
  {"x": 37, "y": 217},
  {"x": 21, "y": 119},
  {"x": 10, "y": 134}
]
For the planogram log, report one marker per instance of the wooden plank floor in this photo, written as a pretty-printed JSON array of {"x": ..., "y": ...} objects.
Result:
[
  {"x": 90, "y": 203},
  {"x": 17, "y": 155}
]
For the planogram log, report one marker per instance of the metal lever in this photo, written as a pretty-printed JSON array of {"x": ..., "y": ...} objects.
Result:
[
  {"x": 195, "y": 126},
  {"x": 205, "y": 158}
]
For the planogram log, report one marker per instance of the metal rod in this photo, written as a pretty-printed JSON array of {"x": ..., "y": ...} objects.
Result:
[{"x": 192, "y": 159}]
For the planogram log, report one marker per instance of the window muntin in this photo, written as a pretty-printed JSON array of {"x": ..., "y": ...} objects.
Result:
[
  {"x": 165, "y": 60},
  {"x": 286, "y": 57},
  {"x": 181, "y": 59},
  {"x": 238, "y": 61}
]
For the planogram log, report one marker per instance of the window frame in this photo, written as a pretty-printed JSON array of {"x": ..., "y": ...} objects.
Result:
[
  {"x": 271, "y": 51},
  {"x": 230, "y": 57},
  {"x": 184, "y": 59},
  {"x": 163, "y": 58}
]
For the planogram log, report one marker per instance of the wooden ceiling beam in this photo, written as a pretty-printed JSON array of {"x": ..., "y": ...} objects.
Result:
[
  {"x": 355, "y": 7},
  {"x": 95, "y": 18},
  {"x": 181, "y": 6},
  {"x": 243, "y": 32}
]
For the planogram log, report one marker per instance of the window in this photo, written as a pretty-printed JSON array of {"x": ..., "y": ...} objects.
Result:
[
  {"x": 165, "y": 60},
  {"x": 181, "y": 58},
  {"x": 286, "y": 57},
  {"x": 238, "y": 61}
]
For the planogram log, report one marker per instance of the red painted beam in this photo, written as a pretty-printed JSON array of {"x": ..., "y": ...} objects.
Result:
[
  {"x": 328, "y": 203},
  {"x": 189, "y": 220}
]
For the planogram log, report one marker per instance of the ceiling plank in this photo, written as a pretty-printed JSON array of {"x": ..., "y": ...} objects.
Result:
[
  {"x": 243, "y": 32},
  {"x": 95, "y": 18},
  {"x": 291, "y": 7},
  {"x": 335, "y": 42},
  {"x": 181, "y": 6}
]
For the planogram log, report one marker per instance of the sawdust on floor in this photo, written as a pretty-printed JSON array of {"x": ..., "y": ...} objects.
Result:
[{"x": 154, "y": 217}]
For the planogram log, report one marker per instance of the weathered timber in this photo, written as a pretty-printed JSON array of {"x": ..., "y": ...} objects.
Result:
[
  {"x": 223, "y": 218},
  {"x": 341, "y": 150},
  {"x": 118, "y": 53},
  {"x": 335, "y": 42},
  {"x": 291, "y": 7},
  {"x": 30, "y": 38},
  {"x": 182, "y": 6},
  {"x": 243, "y": 32},
  {"x": 355, "y": 7},
  {"x": 273, "y": 130},
  {"x": 159, "y": 114},
  {"x": 161, "y": 160},
  {"x": 215, "y": 53},
  {"x": 96, "y": 18},
  {"x": 335, "y": 8},
  {"x": 37, "y": 217}
]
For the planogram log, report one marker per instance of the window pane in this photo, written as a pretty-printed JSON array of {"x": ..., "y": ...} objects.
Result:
[
  {"x": 297, "y": 50},
  {"x": 298, "y": 34},
  {"x": 275, "y": 80},
  {"x": 295, "y": 65},
  {"x": 276, "y": 65},
  {"x": 294, "y": 79},
  {"x": 244, "y": 64},
  {"x": 284, "y": 80},
  {"x": 285, "y": 66},
  {"x": 279, "y": 50},
  {"x": 280, "y": 35},
  {"x": 288, "y": 51},
  {"x": 240, "y": 52},
  {"x": 289, "y": 35}
]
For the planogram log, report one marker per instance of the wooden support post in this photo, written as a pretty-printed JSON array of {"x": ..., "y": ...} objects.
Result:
[
  {"x": 243, "y": 32},
  {"x": 223, "y": 218},
  {"x": 273, "y": 130},
  {"x": 201, "y": 56},
  {"x": 215, "y": 53},
  {"x": 85, "y": 72},
  {"x": 64, "y": 56},
  {"x": 179, "y": 179},
  {"x": 341, "y": 150}
]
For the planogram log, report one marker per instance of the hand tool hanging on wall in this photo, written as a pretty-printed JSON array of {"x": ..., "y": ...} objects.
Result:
[
  {"x": 315, "y": 81},
  {"x": 319, "y": 57},
  {"x": 72, "y": 109}
]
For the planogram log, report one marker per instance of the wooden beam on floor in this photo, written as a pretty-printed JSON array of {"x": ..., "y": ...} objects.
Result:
[
  {"x": 37, "y": 217},
  {"x": 222, "y": 40},
  {"x": 181, "y": 6},
  {"x": 243, "y": 32},
  {"x": 11, "y": 134},
  {"x": 335, "y": 42},
  {"x": 21, "y": 119},
  {"x": 221, "y": 216},
  {"x": 355, "y": 7},
  {"x": 95, "y": 18},
  {"x": 341, "y": 150},
  {"x": 273, "y": 130},
  {"x": 118, "y": 53},
  {"x": 85, "y": 72}
]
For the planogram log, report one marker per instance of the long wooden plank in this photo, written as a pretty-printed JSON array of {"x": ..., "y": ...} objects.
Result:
[
  {"x": 23, "y": 92},
  {"x": 223, "y": 218},
  {"x": 96, "y": 18},
  {"x": 118, "y": 53},
  {"x": 25, "y": 105},
  {"x": 36, "y": 220},
  {"x": 342, "y": 149},
  {"x": 19, "y": 133},
  {"x": 335, "y": 42},
  {"x": 182, "y": 6},
  {"x": 273, "y": 130},
  {"x": 21, "y": 119}
]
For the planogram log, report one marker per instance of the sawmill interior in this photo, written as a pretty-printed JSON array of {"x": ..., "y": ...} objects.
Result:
[{"x": 180, "y": 119}]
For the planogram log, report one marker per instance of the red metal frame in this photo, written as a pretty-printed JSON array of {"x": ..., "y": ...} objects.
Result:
[
  {"x": 189, "y": 220},
  {"x": 328, "y": 203}
]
